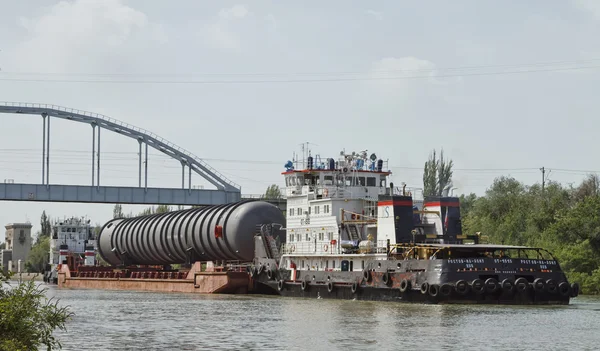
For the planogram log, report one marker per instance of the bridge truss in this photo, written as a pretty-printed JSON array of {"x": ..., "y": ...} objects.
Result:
[{"x": 226, "y": 190}]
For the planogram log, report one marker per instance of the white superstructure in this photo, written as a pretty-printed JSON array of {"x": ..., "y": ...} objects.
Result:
[
  {"x": 72, "y": 237},
  {"x": 334, "y": 215}
]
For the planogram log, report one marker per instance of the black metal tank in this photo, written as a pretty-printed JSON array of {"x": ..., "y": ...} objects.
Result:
[{"x": 222, "y": 232}]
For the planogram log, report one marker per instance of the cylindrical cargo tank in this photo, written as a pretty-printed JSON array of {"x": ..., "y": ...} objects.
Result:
[{"x": 223, "y": 232}]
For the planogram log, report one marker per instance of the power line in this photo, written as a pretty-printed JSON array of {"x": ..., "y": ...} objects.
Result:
[
  {"x": 275, "y": 74},
  {"x": 313, "y": 80}
]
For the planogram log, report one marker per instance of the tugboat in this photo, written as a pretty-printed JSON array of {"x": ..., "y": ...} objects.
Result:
[
  {"x": 73, "y": 243},
  {"x": 352, "y": 235}
]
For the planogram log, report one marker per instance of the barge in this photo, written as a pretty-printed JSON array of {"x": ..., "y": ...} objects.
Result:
[{"x": 348, "y": 233}]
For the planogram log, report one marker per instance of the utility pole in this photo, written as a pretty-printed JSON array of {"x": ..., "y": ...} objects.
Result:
[{"x": 543, "y": 169}]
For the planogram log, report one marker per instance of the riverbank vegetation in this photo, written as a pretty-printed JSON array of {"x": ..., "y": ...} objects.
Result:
[
  {"x": 28, "y": 317},
  {"x": 562, "y": 219}
]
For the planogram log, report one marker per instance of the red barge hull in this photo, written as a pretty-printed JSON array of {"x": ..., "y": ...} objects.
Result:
[{"x": 200, "y": 278}]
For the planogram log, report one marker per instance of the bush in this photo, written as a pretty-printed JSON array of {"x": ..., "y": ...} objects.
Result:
[{"x": 27, "y": 317}]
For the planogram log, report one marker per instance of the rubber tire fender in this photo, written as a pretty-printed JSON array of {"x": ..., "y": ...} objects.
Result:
[
  {"x": 522, "y": 285},
  {"x": 434, "y": 290},
  {"x": 507, "y": 285},
  {"x": 354, "y": 287},
  {"x": 367, "y": 275},
  {"x": 551, "y": 286},
  {"x": 446, "y": 289},
  {"x": 280, "y": 284},
  {"x": 539, "y": 285},
  {"x": 461, "y": 287},
  {"x": 491, "y": 285},
  {"x": 386, "y": 278},
  {"x": 304, "y": 285},
  {"x": 330, "y": 286},
  {"x": 404, "y": 285},
  {"x": 478, "y": 286},
  {"x": 574, "y": 289},
  {"x": 424, "y": 288},
  {"x": 564, "y": 289}
]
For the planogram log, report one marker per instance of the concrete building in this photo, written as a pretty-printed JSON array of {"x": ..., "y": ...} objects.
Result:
[{"x": 18, "y": 243}]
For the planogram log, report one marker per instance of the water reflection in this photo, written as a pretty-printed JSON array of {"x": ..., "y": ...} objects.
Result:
[{"x": 127, "y": 320}]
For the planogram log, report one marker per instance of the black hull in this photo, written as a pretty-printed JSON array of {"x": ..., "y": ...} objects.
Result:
[{"x": 370, "y": 293}]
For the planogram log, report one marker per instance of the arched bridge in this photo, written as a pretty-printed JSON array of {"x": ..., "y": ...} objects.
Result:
[{"x": 226, "y": 191}]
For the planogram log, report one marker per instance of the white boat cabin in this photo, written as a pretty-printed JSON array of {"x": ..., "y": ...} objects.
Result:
[{"x": 333, "y": 214}]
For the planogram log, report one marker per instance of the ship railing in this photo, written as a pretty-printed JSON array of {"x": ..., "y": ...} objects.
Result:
[{"x": 307, "y": 247}]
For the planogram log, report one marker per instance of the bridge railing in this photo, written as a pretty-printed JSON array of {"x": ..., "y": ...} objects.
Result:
[{"x": 128, "y": 126}]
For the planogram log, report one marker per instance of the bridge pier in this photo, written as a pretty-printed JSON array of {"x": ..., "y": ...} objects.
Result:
[
  {"x": 98, "y": 170},
  {"x": 182, "y": 174},
  {"x": 44, "y": 149},
  {"x": 146, "y": 169},
  {"x": 93, "y": 153},
  {"x": 140, "y": 163}
]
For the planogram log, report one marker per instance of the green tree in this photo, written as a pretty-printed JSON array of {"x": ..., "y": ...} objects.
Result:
[
  {"x": 155, "y": 210},
  {"x": 163, "y": 209},
  {"x": 273, "y": 192},
  {"x": 46, "y": 227},
  {"x": 437, "y": 174},
  {"x": 39, "y": 255},
  {"x": 564, "y": 220},
  {"x": 28, "y": 318},
  {"x": 589, "y": 187},
  {"x": 466, "y": 203},
  {"x": 444, "y": 173},
  {"x": 118, "y": 211}
]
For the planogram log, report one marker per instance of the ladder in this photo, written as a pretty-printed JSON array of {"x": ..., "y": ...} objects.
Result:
[
  {"x": 353, "y": 232},
  {"x": 269, "y": 242}
]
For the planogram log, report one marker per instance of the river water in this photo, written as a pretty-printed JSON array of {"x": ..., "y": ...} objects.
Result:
[{"x": 128, "y": 320}]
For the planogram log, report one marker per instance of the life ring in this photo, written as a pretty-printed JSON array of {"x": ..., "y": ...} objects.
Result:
[
  {"x": 354, "y": 287},
  {"x": 325, "y": 247},
  {"x": 404, "y": 285},
  {"x": 325, "y": 192},
  {"x": 293, "y": 248}
]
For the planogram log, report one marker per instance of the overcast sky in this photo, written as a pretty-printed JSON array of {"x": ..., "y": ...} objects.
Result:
[{"x": 490, "y": 82}]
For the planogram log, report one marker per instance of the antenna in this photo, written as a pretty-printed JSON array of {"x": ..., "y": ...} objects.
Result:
[{"x": 305, "y": 150}]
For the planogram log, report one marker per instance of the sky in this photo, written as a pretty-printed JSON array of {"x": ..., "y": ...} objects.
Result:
[{"x": 504, "y": 89}]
